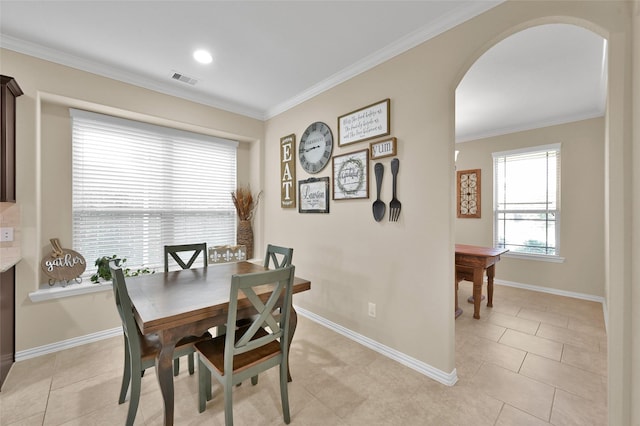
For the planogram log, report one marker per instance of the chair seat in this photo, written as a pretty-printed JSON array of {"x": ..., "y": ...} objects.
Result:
[{"x": 213, "y": 350}]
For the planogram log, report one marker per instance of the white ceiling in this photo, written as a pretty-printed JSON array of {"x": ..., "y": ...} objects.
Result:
[{"x": 271, "y": 55}]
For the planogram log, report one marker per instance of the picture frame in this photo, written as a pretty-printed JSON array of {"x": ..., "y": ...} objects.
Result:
[
  {"x": 383, "y": 148},
  {"x": 351, "y": 175},
  {"x": 468, "y": 193},
  {"x": 365, "y": 123},
  {"x": 288, "y": 171},
  {"x": 313, "y": 195}
]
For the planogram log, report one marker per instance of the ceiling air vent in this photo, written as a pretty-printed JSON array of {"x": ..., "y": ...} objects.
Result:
[{"x": 184, "y": 78}]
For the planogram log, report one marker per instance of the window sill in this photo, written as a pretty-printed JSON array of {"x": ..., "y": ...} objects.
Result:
[
  {"x": 46, "y": 292},
  {"x": 536, "y": 257}
]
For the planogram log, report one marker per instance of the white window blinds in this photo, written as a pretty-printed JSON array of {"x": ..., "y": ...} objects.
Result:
[
  {"x": 527, "y": 200},
  {"x": 138, "y": 187}
]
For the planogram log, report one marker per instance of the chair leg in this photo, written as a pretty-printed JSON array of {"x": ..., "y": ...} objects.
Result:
[
  {"x": 176, "y": 366},
  {"x": 192, "y": 367},
  {"x": 228, "y": 403},
  {"x": 254, "y": 380},
  {"x": 284, "y": 393},
  {"x": 126, "y": 374},
  {"x": 134, "y": 399},
  {"x": 204, "y": 391}
]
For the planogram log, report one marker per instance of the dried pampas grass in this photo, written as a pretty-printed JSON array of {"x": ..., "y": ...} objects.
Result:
[{"x": 245, "y": 202}]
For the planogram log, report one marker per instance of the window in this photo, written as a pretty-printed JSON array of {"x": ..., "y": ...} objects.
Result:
[
  {"x": 527, "y": 200},
  {"x": 137, "y": 187}
]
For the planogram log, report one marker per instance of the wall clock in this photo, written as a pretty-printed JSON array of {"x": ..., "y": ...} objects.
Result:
[{"x": 316, "y": 145}]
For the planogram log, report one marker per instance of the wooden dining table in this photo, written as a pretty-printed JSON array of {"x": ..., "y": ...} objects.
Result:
[
  {"x": 188, "y": 302},
  {"x": 471, "y": 262}
]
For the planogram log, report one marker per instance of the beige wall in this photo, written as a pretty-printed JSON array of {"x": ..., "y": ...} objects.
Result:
[
  {"x": 582, "y": 206},
  {"x": 44, "y": 177},
  {"x": 406, "y": 268}
]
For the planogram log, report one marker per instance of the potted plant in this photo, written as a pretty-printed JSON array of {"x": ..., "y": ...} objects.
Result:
[{"x": 104, "y": 271}]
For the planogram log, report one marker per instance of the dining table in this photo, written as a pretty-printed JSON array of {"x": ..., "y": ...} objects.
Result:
[
  {"x": 471, "y": 263},
  {"x": 188, "y": 302}
]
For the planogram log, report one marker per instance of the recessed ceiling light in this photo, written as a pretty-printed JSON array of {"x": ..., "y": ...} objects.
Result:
[{"x": 202, "y": 56}]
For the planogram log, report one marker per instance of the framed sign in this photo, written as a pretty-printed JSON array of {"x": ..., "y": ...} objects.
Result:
[
  {"x": 351, "y": 175},
  {"x": 288, "y": 171},
  {"x": 365, "y": 123},
  {"x": 383, "y": 148},
  {"x": 314, "y": 195},
  {"x": 468, "y": 193}
]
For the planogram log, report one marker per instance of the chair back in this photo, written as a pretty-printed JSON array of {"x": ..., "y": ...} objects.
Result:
[
  {"x": 280, "y": 256},
  {"x": 125, "y": 308},
  {"x": 175, "y": 250},
  {"x": 265, "y": 327}
]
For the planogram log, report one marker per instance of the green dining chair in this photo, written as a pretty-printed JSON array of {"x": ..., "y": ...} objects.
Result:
[
  {"x": 173, "y": 252},
  {"x": 140, "y": 350},
  {"x": 279, "y": 256},
  {"x": 251, "y": 349}
]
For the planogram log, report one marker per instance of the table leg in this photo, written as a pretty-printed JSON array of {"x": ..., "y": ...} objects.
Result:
[
  {"x": 164, "y": 372},
  {"x": 293, "y": 323},
  {"x": 477, "y": 291},
  {"x": 491, "y": 271}
]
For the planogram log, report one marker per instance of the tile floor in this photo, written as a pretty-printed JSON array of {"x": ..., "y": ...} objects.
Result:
[{"x": 533, "y": 359}]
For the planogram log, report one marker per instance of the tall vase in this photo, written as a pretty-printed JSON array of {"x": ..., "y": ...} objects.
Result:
[{"x": 244, "y": 236}]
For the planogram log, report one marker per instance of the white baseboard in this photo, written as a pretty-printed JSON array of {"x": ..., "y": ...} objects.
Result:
[
  {"x": 448, "y": 379},
  {"x": 66, "y": 344}
]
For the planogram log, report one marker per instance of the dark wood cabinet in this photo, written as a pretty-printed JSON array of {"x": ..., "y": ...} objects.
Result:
[{"x": 9, "y": 91}]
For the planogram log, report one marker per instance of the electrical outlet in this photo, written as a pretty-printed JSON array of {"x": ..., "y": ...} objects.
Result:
[
  {"x": 372, "y": 310},
  {"x": 6, "y": 234}
]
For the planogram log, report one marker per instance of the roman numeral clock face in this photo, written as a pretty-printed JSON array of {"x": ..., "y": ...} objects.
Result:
[{"x": 316, "y": 145}]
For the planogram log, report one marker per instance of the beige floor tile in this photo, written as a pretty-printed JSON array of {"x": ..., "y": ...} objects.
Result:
[
  {"x": 514, "y": 389},
  {"x": 339, "y": 382},
  {"x": 26, "y": 389},
  {"x": 480, "y": 328},
  {"x": 593, "y": 361},
  {"x": 510, "y": 416},
  {"x": 496, "y": 353},
  {"x": 572, "y": 410},
  {"x": 534, "y": 344},
  {"x": 571, "y": 379},
  {"x": 572, "y": 337},
  {"x": 515, "y": 323},
  {"x": 81, "y": 398},
  {"x": 553, "y": 318}
]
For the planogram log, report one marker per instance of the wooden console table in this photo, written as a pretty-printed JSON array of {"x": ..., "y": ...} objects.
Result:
[{"x": 471, "y": 262}]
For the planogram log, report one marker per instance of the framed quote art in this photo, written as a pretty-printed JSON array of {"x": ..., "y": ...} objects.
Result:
[
  {"x": 314, "y": 195},
  {"x": 365, "y": 123},
  {"x": 351, "y": 175},
  {"x": 468, "y": 193}
]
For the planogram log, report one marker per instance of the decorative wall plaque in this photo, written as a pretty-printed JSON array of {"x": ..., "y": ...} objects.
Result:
[
  {"x": 63, "y": 265},
  {"x": 468, "y": 193},
  {"x": 314, "y": 195},
  {"x": 351, "y": 175},
  {"x": 288, "y": 171},
  {"x": 365, "y": 123}
]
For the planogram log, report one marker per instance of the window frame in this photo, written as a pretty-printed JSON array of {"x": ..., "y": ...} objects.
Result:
[{"x": 496, "y": 156}]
